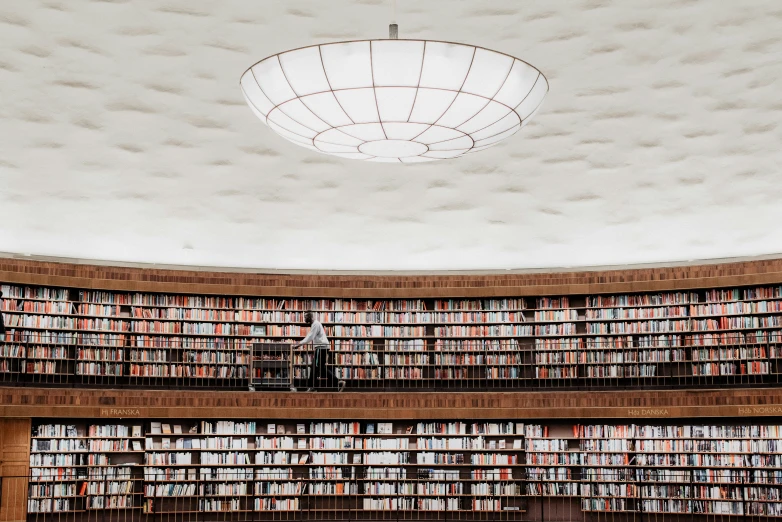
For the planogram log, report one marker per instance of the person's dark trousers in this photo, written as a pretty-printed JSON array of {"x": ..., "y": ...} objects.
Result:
[{"x": 320, "y": 374}]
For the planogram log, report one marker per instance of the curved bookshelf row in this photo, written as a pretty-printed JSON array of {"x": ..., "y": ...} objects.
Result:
[
  {"x": 172, "y": 467},
  {"x": 87, "y": 337}
]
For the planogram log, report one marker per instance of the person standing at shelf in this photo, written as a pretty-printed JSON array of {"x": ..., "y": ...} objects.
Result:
[{"x": 319, "y": 367}]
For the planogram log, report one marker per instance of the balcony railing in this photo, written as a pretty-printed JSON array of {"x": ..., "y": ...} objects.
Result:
[
  {"x": 632, "y": 362},
  {"x": 347, "y": 494}
]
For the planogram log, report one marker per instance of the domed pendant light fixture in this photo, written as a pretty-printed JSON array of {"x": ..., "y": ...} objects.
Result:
[{"x": 401, "y": 101}]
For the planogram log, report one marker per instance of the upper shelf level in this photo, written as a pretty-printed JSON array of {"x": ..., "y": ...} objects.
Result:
[{"x": 684, "y": 338}]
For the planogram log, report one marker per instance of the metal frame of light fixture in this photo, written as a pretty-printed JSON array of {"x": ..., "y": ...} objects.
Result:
[{"x": 328, "y": 114}]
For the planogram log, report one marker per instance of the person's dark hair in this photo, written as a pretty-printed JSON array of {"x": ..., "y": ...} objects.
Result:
[{"x": 309, "y": 317}]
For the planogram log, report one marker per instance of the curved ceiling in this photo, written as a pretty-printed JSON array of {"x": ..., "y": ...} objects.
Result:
[{"x": 125, "y": 137}]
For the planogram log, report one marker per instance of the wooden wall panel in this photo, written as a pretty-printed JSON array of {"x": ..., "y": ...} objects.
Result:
[
  {"x": 64, "y": 403},
  {"x": 14, "y": 468},
  {"x": 767, "y": 271}
]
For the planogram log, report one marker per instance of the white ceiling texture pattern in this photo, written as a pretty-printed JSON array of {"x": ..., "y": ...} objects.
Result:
[{"x": 125, "y": 137}]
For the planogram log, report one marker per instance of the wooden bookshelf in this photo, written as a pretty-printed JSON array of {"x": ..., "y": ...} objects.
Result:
[
  {"x": 193, "y": 466},
  {"x": 352, "y": 468},
  {"x": 674, "y": 339},
  {"x": 84, "y": 467}
]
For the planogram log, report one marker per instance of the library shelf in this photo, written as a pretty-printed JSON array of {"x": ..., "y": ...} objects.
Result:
[
  {"x": 604, "y": 485},
  {"x": 183, "y": 340}
]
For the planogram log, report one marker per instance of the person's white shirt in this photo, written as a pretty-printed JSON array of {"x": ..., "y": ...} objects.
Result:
[{"x": 316, "y": 336}]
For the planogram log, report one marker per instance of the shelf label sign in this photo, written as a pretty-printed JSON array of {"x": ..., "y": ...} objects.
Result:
[
  {"x": 648, "y": 412},
  {"x": 760, "y": 410},
  {"x": 120, "y": 412}
]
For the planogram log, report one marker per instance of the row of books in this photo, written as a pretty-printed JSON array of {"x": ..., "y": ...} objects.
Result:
[
  {"x": 413, "y": 504},
  {"x": 720, "y": 369},
  {"x": 558, "y": 368},
  {"x": 627, "y": 337},
  {"x": 124, "y": 321},
  {"x": 748, "y": 294},
  {"x": 277, "y": 316},
  {"x": 679, "y": 506},
  {"x": 155, "y": 300},
  {"x": 469, "y": 358},
  {"x": 692, "y": 311},
  {"x": 34, "y": 292},
  {"x": 262, "y": 304},
  {"x": 67, "y": 459},
  {"x": 690, "y": 446},
  {"x": 661, "y": 299},
  {"x": 218, "y": 302},
  {"x": 242, "y": 303},
  {"x": 14, "y": 335},
  {"x": 49, "y": 505}
]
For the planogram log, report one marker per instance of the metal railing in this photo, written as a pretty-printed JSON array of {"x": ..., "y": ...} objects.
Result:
[
  {"x": 576, "y": 363},
  {"x": 342, "y": 493}
]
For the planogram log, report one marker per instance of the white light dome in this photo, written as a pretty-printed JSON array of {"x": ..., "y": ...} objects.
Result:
[{"x": 394, "y": 100}]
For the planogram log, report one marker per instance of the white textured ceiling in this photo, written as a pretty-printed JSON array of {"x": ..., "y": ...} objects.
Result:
[{"x": 124, "y": 136}]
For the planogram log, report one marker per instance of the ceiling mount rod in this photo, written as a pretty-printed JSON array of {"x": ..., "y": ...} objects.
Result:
[{"x": 393, "y": 29}]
